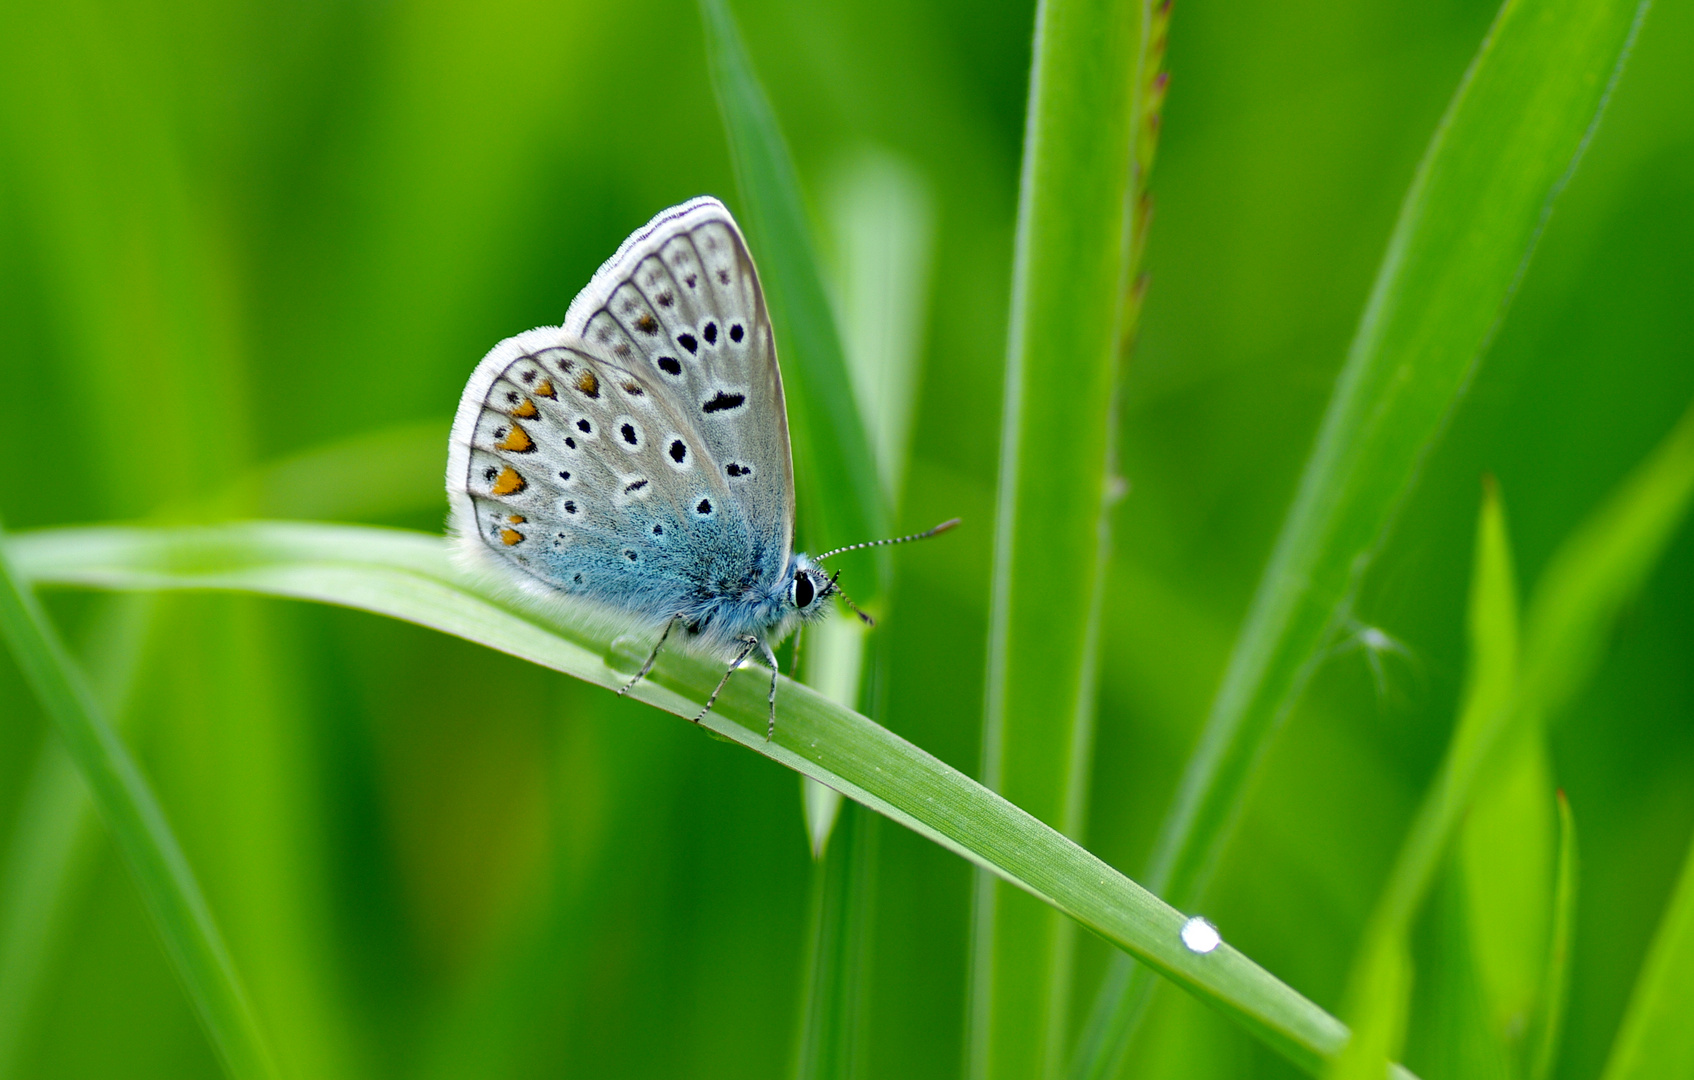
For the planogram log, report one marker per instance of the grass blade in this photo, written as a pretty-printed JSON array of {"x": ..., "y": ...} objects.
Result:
[
  {"x": 1656, "y": 1039},
  {"x": 138, "y": 825},
  {"x": 1508, "y": 846},
  {"x": 49, "y": 854},
  {"x": 842, "y": 495},
  {"x": 1548, "y": 1027},
  {"x": 1068, "y": 288},
  {"x": 833, "y": 997},
  {"x": 1378, "y": 987},
  {"x": 411, "y": 576},
  {"x": 1569, "y": 618},
  {"x": 1509, "y": 141}
]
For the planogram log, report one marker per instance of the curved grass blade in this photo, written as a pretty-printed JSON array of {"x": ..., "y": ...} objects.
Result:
[
  {"x": 138, "y": 825},
  {"x": 1509, "y": 141},
  {"x": 410, "y": 576}
]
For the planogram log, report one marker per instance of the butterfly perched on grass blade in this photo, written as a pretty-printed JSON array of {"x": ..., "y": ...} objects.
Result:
[{"x": 637, "y": 457}]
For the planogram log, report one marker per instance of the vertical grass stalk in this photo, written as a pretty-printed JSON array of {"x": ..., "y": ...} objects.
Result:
[{"x": 1070, "y": 281}]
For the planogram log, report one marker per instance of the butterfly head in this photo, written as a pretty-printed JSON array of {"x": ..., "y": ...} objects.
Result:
[{"x": 809, "y": 590}]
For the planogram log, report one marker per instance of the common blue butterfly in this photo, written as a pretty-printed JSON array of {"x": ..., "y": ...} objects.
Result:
[{"x": 637, "y": 457}]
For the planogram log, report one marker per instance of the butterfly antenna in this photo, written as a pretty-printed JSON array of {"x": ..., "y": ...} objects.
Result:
[
  {"x": 925, "y": 535},
  {"x": 835, "y": 589}
]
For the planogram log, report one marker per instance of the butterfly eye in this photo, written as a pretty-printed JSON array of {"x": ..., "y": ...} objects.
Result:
[{"x": 803, "y": 591}]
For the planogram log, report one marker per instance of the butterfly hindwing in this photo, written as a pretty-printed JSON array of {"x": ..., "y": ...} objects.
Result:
[{"x": 584, "y": 477}]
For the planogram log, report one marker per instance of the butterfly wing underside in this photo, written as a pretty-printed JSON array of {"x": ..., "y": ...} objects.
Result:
[{"x": 638, "y": 455}]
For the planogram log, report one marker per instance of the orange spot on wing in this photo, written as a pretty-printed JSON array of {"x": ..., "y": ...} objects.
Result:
[
  {"x": 517, "y": 519},
  {"x": 508, "y": 482},
  {"x": 517, "y": 441},
  {"x": 526, "y": 411},
  {"x": 546, "y": 389},
  {"x": 588, "y": 384},
  {"x": 510, "y": 537}
]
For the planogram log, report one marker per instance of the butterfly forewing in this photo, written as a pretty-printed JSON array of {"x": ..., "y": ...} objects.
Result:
[{"x": 682, "y": 303}]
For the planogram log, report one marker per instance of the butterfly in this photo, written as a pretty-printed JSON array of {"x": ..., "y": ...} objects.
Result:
[{"x": 637, "y": 457}]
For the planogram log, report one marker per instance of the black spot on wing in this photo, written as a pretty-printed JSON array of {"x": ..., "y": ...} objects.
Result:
[
  {"x": 687, "y": 341},
  {"x": 735, "y": 332},
  {"x": 710, "y": 333},
  {"x": 678, "y": 451},
  {"x": 724, "y": 400},
  {"x": 670, "y": 365}
]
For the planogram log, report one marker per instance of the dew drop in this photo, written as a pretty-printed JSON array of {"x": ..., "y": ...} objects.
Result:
[{"x": 1200, "y": 936}]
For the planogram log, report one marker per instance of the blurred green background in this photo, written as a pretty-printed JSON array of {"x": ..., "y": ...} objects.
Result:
[{"x": 249, "y": 254}]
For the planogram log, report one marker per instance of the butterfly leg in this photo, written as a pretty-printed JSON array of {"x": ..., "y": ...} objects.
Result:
[
  {"x": 770, "y": 658},
  {"x": 652, "y": 657},
  {"x": 740, "y": 657}
]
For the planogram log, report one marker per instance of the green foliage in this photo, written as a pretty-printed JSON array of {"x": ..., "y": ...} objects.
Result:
[
  {"x": 410, "y": 576},
  {"x": 137, "y": 823},
  {"x": 248, "y": 255}
]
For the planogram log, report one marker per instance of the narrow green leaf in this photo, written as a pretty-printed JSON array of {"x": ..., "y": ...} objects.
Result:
[
  {"x": 1508, "y": 844},
  {"x": 1378, "y": 986},
  {"x": 841, "y": 490},
  {"x": 1382, "y": 994},
  {"x": 1601, "y": 566},
  {"x": 835, "y": 972},
  {"x": 1499, "y": 158},
  {"x": 1455, "y": 1033},
  {"x": 878, "y": 221},
  {"x": 1548, "y": 1027},
  {"x": 52, "y": 838},
  {"x": 138, "y": 825},
  {"x": 411, "y": 576},
  {"x": 1656, "y": 1040},
  {"x": 1069, "y": 275},
  {"x": 880, "y": 214}
]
